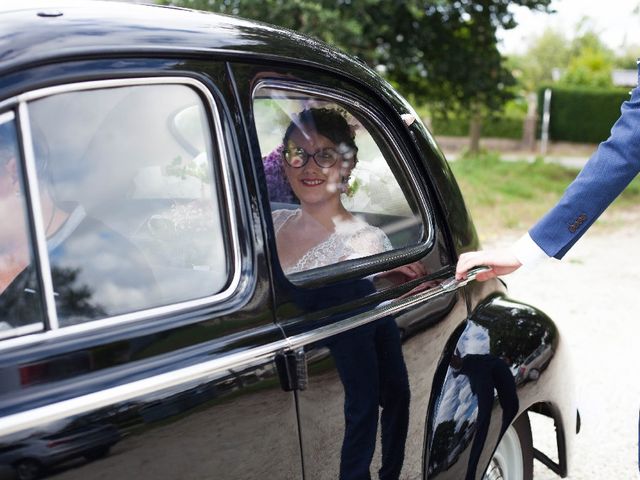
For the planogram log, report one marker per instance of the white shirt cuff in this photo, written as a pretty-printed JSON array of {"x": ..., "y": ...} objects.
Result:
[{"x": 528, "y": 253}]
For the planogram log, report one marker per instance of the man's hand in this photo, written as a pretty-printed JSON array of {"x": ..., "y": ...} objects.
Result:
[{"x": 501, "y": 262}]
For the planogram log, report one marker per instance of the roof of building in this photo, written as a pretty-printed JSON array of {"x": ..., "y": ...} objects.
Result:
[{"x": 624, "y": 78}]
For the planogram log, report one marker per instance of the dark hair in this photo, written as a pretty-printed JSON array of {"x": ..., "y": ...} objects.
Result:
[{"x": 328, "y": 122}]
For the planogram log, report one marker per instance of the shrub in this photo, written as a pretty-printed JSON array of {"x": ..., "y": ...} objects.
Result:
[
  {"x": 581, "y": 114},
  {"x": 504, "y": 126}
]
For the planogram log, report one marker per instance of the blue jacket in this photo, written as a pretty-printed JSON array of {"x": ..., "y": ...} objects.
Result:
[{"x": 607, "y": 173}]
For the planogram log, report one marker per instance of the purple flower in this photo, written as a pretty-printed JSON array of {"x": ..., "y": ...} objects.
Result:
[{"x": 279, "y": 188}]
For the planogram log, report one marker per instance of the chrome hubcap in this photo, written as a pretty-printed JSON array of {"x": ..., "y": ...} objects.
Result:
[
  {"x": 494, "y": 472},
  {"x": 506, "y": 463}
]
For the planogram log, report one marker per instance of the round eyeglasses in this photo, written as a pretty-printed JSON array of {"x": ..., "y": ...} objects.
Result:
[{"x": 325, "y": 157}]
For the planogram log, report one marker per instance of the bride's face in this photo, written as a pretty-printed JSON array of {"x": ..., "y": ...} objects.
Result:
[{"x": 318, "y": 181}]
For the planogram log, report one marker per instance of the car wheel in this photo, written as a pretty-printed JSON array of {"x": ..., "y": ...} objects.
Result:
[
  {"x": 28, "y": 469},
  {"x": 513, "y": 459}
]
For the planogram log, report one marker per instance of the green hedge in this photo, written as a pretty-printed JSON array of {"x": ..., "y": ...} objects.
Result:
[
  {"x": 496, "y": 127},
  {"x": 580, "y": 114}
]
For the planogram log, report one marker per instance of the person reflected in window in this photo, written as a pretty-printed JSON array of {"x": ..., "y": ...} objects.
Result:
[
  {"x": 319, "y": 153},
  {"x": 96, "y": 272}
]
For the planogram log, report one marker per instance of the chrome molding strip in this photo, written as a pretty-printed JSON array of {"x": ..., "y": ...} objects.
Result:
[
  {"x": 33, "y": 191},
  {"x": 228, "y": 196},
  {"x": 292, "y": 86},
  {"x": 194, "y": 375},
  {"x": 204, "y": 372}
]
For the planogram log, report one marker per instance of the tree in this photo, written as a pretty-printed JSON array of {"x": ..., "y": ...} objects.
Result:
[
  {"x": 590, "y": 63},
  {"x": 583, "y": 60},
  {"x": 548, "y": 51},
  {"x": 591, "y": 68},
  {"x": 626, "y": 57},
  {"x": 443, "y": 52},
  {"x": 588, "y": 38}
]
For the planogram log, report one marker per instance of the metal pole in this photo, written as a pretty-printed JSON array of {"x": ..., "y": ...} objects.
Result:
[{"x": 546, "y": 115}]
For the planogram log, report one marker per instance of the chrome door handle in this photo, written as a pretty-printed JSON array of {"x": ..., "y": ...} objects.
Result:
[{"x": 452, "y": 284}]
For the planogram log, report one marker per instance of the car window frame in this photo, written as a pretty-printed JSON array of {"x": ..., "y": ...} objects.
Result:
[
  {"x": 406, "y": 168},
  {"x": 225, "y": 191},
  {"x": 6, "y": 116}
]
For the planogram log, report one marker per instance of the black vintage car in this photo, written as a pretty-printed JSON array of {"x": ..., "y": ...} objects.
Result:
[{"x": 162, "y": 317}]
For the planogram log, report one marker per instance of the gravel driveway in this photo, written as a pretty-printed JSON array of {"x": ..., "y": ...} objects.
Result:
[{"x": 593, "y": 294}]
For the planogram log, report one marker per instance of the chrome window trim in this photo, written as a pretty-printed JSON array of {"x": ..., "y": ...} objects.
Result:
[
  {"x": 23, "y": 330},
  {"x": 33, "y": 191},
  {"x": 421, "y": 200},
  {"x": 203, "y": 372},
  {"x": 8, "y": 103},
  {"x": 7, "y": 117},
  {"x": 227, "y": 211}
]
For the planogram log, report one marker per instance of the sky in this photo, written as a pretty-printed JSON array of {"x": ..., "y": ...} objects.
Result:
[{"x": 612, "y": 19}]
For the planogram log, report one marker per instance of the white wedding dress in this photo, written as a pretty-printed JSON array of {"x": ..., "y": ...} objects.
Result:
[{"x": 351, "y": 239}]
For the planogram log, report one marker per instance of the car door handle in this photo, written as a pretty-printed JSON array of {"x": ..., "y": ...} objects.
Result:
[{"x": 452, "y": 283}]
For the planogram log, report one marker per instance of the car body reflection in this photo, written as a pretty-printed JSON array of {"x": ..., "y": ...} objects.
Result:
[{"x": 35, "y": 456}]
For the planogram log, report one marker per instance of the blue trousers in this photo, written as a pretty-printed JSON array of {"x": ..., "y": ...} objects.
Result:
[{"x": 373, "y": 372}]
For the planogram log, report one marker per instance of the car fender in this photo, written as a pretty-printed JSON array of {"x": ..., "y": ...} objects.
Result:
[{"x": 491, "y": 356}]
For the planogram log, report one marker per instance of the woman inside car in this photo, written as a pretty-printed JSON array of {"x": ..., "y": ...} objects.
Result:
[{"x": 318, "y": 156}]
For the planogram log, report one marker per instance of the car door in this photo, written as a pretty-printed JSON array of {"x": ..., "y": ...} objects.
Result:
[
  {"x": 366, "y": 332},
  {"x": 138, "y": 337}
]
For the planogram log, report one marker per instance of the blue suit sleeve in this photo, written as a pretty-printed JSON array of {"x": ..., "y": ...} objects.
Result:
[{"x": 607, "y": 173}]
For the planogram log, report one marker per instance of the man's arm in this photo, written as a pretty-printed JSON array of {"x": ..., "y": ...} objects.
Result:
[{"x": 607, "y": 173}]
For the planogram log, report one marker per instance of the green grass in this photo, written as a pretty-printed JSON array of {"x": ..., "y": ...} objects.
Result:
[{"x": 512, "y": 195}]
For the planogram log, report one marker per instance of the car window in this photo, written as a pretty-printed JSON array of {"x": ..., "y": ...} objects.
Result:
[
  {"x": 128, "y": 199},
  {"x": 333, "y": 179},
  {"x": 20, "y": 305}
]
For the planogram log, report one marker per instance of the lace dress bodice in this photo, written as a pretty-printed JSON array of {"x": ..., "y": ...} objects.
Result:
[{"x": 351, "y": 239}]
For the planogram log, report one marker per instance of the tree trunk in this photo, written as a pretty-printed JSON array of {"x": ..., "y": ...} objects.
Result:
[{"x": 475, "y": 127}]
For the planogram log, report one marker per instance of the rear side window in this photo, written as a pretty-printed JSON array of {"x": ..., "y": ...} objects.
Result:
[
  {"x": 20, "y": 304},
  {"x": 336, "y": 187},
  {"x": 129, "y": 199}
]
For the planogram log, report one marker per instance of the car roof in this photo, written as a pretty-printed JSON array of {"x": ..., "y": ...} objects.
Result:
[{"x": 38, "y": 31}]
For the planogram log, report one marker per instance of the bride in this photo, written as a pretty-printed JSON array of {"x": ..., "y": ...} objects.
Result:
[{"x": 318, "y": 156}]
